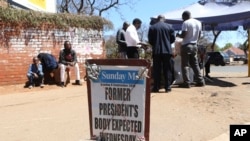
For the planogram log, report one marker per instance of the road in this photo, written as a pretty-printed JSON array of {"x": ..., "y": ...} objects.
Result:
[
  {"x": 196, "y": 114},
  {"x": 229, "y": 68}
]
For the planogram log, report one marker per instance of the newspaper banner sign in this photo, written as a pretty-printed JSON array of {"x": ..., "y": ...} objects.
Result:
[{"x": 119, "y": 99}]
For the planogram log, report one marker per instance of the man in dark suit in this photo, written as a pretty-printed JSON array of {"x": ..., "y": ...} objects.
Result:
[{"x": 161, "y": 35}]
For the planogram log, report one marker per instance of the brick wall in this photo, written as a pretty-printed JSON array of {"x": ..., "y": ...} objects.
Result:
[{"x": 18, "y": 47}]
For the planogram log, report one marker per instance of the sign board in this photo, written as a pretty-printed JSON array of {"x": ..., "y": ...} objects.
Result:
[
  {"x": 118, "y": 99},
  {"x": 37, "y": 5}
]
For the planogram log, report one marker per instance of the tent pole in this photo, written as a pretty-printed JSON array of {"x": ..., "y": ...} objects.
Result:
[{"x": 248, "y": 52}]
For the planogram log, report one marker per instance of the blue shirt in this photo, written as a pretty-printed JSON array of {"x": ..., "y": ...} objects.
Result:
[{"x": 34, "y": 69}]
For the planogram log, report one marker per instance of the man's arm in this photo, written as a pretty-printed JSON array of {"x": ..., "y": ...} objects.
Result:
[
  {"x": 184, "y": 31},
  {"x": 29, "y": 73},
  {"x": 172, "y": 35},
  {"x": 151, "y": 37},
  {"x": 74, "y": 61},
  {"x": 74, "y": 56},
  {"x": 182, "y": 35},
  {"x": 62, "y": 58},
  {"x": 199, "y": 35},
  {"x": 119, "y": 36},
  {"x": 40, "y": 69}
]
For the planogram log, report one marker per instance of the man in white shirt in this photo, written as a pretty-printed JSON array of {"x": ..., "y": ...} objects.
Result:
[
  {"x": 132, "y": 39},
  {"x": 191, "y": 30}
]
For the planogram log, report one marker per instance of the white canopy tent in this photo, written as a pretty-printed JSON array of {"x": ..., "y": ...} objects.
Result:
[{"x": 214, "y": 16}]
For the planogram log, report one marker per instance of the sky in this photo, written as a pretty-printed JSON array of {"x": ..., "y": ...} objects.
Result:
[{"x": 144, "y": 9}]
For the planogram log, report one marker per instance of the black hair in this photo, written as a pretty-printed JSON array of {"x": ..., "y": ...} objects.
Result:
[
  {"x": 137, "y": 21},
  {"x": 153, "y": 21},
  {"x": 125, "y": 25},
  {"x": 35, "y": 58},
  {"x": 65, "y": 42},
  {"x": 186, "y": 15}
]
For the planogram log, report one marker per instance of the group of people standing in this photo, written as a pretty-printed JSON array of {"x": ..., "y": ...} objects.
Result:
[
  {"x": 128, "y": 40},
  {"x": 160, "y": 36}
]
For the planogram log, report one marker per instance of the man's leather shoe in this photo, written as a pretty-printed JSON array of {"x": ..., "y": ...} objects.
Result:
[
  {"x": 185, "y": 85},
  {"x": 208, "y": 77},
  {"x": 168, "y": 90},
  {"x": 62, "y": 84},
  {"x": 155, "y": 91},
  {"x": 78, "y": 82},
  {"x": 200, "y": 84}
]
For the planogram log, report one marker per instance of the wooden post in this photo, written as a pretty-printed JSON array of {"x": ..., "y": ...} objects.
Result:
[{"x": 248, "y": 52}]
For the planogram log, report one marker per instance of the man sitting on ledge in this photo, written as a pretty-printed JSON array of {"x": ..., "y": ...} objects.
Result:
[{"x": 68, "y": 59}]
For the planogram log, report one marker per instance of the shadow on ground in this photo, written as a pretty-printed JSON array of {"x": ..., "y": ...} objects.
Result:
[
  {"x": 245, "y": 83},
  {"x": 216, "y": 81}
]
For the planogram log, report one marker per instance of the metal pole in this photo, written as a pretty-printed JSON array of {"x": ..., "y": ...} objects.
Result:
[{"x": 248, "y": 52}]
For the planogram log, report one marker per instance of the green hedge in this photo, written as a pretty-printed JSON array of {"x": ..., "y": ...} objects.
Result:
[{"x": 28, "y": 18}]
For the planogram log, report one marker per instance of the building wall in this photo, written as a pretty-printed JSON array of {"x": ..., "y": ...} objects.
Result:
[{"x": 18, "y": 47}]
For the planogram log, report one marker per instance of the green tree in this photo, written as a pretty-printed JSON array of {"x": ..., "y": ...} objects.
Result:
[
  {"x": 213, "y": 47},
  {"x": 227, "y": 46},
  {"x": 205, "y": 41}
]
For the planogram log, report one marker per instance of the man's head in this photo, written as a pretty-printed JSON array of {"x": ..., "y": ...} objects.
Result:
[
  {"x": 161, "y": 18},
  {"x": 186, "y": 15},
  {"x": 35, "y": 60},
  {"x": 137, "y": 23},
  {"x": 67, "y": 45},
  {"x": 125, "y": 25},
  {"x": 152, "y": 21}
]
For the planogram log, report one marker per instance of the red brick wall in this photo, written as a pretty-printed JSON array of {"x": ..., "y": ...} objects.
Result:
[{"x": 18, "y": 49}]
